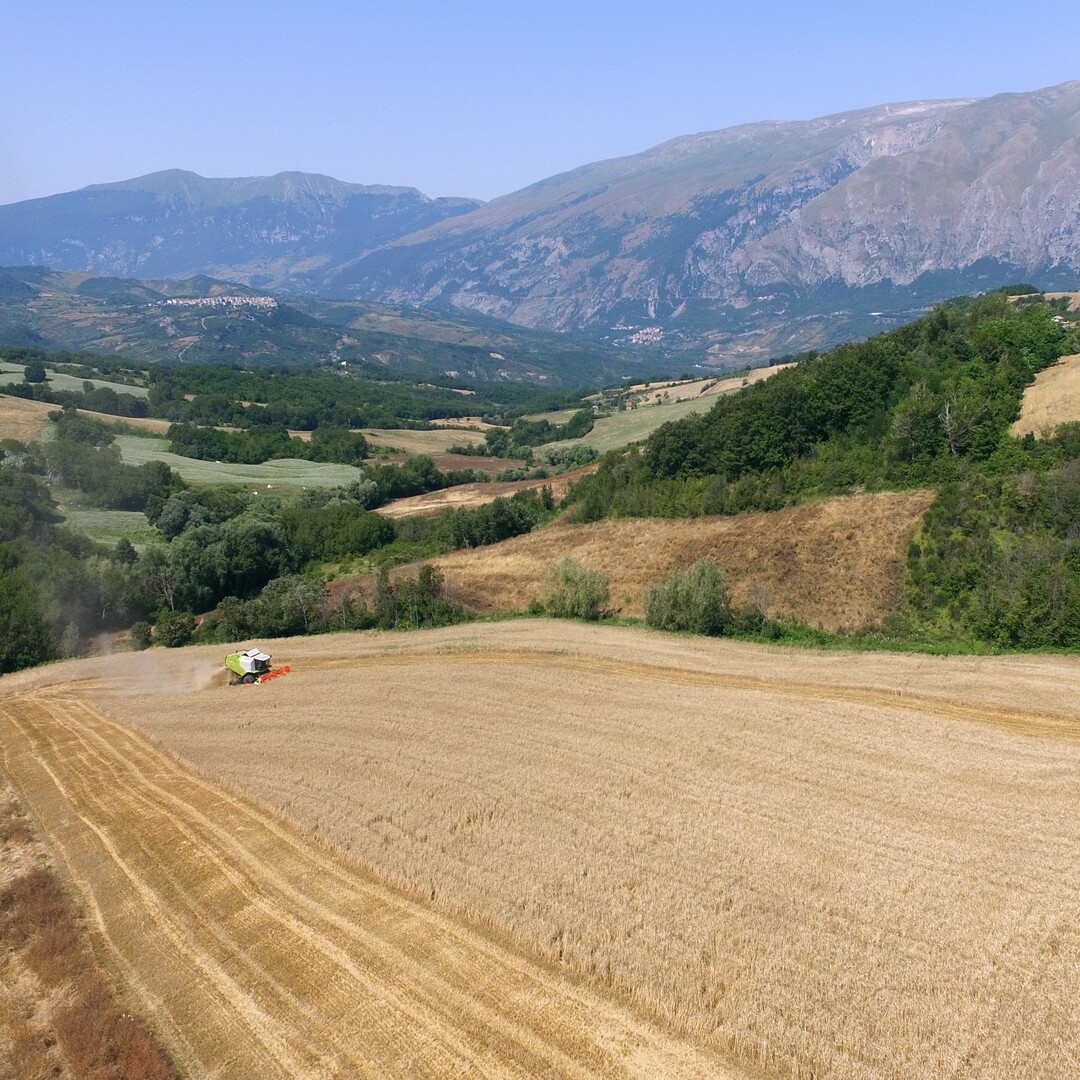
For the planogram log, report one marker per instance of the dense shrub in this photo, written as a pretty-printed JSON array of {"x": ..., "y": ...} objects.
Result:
[
  {"x": 175, "y": 628},
  {"x": 288, "y": 605},
  {"x": 573, "y": 592},
  {"x": 695, "y": 600},
  {"x": 408, "y": 603}
]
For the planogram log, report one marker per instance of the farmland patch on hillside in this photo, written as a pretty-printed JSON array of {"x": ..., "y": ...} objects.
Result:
[{"x": 1052, "y": 399}]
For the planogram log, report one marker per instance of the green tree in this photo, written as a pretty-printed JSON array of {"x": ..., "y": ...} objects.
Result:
[
  {"x": 175, "y": 628},
  {"x": 695, "y": 600},
  {"x": 35, "y": 372},
  {"x": 572, "y": 591},
  {"x": 24, "y": 634}
]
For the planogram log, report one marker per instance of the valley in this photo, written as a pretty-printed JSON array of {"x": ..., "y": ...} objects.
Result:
[
  {"x": 628, "y": 843},
  {"x": 623, "y": 627}
]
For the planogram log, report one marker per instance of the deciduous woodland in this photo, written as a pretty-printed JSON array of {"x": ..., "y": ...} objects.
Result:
[{"x": 843, "y": 865}]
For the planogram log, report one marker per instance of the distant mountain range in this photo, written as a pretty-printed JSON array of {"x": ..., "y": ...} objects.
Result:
[
  {"x": 740, "y": 244},
  {"x": 267, "y": 232}
]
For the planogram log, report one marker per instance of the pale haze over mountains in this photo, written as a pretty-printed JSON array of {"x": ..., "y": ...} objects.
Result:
[{"x": 753, "y": 241}]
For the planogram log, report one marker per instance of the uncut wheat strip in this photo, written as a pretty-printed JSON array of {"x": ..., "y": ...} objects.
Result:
[
  {"x": 563, "y": 1012},
  {"x": 1041, "y": 684}
]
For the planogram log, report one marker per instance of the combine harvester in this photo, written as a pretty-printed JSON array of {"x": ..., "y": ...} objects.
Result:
[{"x": 252, "y": 666}]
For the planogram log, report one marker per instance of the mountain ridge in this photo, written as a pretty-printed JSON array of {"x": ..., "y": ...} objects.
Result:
[{"x": 736, "y": 245}]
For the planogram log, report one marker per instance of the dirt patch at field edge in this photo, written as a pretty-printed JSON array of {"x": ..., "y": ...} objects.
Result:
[{"x": 471, "y": 496}]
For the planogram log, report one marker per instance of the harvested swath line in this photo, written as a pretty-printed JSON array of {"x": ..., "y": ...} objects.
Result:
[
  {"x": 58, "y": 1012},
  {"x": 263, "y": 954}
]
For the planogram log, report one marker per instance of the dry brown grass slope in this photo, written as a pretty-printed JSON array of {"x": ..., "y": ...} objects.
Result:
[
  {"x": 835, "y": 564},
  {"x": 22, "y": 419},
  {"x": 469, "y": 496},
  {"x": 1052, "y": 399}
]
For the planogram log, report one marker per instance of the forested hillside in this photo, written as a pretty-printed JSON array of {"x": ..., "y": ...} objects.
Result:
[{"x": 998, "y": 559}]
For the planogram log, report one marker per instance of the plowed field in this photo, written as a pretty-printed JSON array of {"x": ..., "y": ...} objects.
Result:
[{"x": 545, "y": 849}]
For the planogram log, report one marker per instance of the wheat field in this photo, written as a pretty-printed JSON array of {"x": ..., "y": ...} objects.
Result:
[
  {"x": 23, "y": 419},
  {"x": 799, "y": 864},
  {"x": 1052, "y": 399}
]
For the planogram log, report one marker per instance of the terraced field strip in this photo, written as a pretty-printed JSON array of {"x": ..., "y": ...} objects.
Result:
[{"x": 259, "y": 954}]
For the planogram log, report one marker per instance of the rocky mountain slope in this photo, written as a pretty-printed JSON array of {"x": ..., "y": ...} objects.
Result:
[
  {"x": 793, "y": 233},
  {"x": 735, "y": 245}
]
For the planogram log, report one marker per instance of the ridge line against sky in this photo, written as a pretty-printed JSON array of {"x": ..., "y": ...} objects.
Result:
[{"x": 474, "y": 99}]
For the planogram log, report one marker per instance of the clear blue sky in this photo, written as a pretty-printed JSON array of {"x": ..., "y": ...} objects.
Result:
[{"x": 469, "y": 98}]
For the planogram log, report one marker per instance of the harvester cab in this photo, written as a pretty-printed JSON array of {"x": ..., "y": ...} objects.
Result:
[{"x": 247, "y": 667}]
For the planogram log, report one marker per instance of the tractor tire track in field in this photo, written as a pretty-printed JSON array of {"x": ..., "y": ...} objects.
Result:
[{"x": 257, "y": 953}]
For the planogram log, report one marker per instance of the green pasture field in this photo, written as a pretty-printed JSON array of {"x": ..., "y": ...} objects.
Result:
[
  {"x": 560, "y": 416},
  {"x": 288, "y": 473},
  {"x": 68, "y": 382},
  {"x": 622, "y": 428},
  {"x": 108, "y": 526}
]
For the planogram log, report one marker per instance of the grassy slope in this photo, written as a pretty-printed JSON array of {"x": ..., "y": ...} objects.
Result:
[
  {"x": 108, "y": 526},
  {"x": 623, "y": 428},
  {"x": 13, "y": 373},
  {"x": 835, "y": 564},
  {"x": 421, "y": 442}
]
